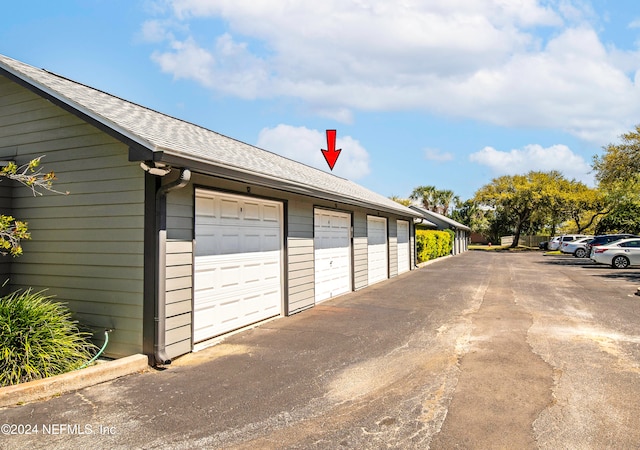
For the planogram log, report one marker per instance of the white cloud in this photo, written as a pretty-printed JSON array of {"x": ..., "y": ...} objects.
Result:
[
  {"x": 304, "y": 145},
  {"x": 434, "y": 154},
  {"x": 154, "y": 31},
  {"x": 634, "y": 23},
  {"x": 482, "y": 60},
  {"x": 228, "y": 64},
  {"x": 535, "y": 157}
]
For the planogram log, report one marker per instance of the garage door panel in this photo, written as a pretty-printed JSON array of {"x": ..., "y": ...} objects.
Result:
[
  {"x": 332, "y": 253},
  {"x": 229, "y": 209},
  {"x": 377, "y": 257},
  {"x": 252, "y": 211},
  {"x": 271, "y": 214},
  {"x": 238, "y": 263}
]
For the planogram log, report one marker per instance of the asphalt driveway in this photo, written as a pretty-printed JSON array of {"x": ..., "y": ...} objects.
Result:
[{"x": 481, "y": 350}]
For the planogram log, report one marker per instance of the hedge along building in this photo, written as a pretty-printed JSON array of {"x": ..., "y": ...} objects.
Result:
[
  {"x": 435, "y": 220},
  {"x": 173, "y": 234}
]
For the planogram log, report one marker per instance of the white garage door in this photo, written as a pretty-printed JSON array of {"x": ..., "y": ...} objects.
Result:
[
  {"x": 237, "y": 262},
  {"x": 404, "y": 255},
  {"x": 377, "y": 248},
  {"x": 332, "y": 253}
]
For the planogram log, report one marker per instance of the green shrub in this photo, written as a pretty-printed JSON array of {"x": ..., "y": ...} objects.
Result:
[
  {"x": 433, "y": 244},
  {"x": 38, "y": 338}
]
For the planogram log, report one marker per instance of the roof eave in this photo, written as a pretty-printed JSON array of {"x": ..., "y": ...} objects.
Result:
[
  {"x": 238, "y": 174},
  {"x": 434, "y": 216}
]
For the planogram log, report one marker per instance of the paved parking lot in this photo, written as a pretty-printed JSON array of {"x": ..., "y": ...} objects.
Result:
[{"x": 481, "y": 350}]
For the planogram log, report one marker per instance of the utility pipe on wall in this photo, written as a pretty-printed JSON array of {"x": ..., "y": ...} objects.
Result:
[{"x": 159, "y": 347}]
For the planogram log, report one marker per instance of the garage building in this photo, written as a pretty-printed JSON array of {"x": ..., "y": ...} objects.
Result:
[
  {"x": 172, "y": 234},
  {"x": 440, "y": 222}
]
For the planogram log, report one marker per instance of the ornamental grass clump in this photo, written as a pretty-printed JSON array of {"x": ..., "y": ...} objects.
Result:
[{"x": 38, "y": 338}]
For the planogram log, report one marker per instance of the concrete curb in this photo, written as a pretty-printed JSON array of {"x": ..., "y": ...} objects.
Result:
[{"x": 59, "y": 384}]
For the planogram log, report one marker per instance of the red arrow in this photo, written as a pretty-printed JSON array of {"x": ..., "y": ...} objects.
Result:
[{"x": 331, "y": 155}]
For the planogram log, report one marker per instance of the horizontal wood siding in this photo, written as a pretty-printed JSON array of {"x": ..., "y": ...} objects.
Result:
[
  {"x": 180, "y": 211},
  {"x": 300, "y": 270},
  {"x": 393, "y": 256},
  {"x": 360, "y": 251},
  {"x": 179, "y": 294},
  {"x": 5, "y": 209},
  {"x": 393, "y": 247},
  {"x": 301, "y": 274},
  {"x": 412, "y": 244},
  {"x": 86, "y": 247}
]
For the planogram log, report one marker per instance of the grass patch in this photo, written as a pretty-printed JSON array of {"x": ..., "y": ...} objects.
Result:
[{"x": 38, "y": 338}]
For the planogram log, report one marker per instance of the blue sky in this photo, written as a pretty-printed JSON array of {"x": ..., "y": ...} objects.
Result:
[{"x": 450, "y": 93}]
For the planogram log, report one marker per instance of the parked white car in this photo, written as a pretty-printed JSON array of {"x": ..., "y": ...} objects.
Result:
[
  {"x": 556, "y": 242},
  {"x": 619, "y": 254},
  {"x": 577, "y": 248}
]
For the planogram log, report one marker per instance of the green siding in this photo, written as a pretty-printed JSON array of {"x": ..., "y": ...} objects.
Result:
[
  {"x": 360, "y": 250},
  {"x": 179, "y": 294},
  {"x": 393, "y": 247},
  {"x": 5, "y": 209},
  {"x": 301, "y": 274},
  {"x": 87, "y": 246}
]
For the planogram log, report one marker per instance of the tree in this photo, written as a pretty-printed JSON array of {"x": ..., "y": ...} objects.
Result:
[
  {"x": 521, "y": 200},
  {"x": 618, "y": 175},
  {"x": 402, "y": 201},
  {"x": 444, "y": 198},
  {"x": 433, "y": 199},
  {"x": 623, "y": 218},
  {"x": 470, "y": 214},
  {"x": 584, "y": 205},
  {"x": 622, "y": 200},
  {"x": 426, "y": 195},
  {"x": 621, "y": 161},
  {"x": 13, "y": 231}
]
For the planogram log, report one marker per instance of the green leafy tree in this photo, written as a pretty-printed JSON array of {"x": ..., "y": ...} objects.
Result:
[
  {"x": 521, "y": 200},
  {"x": 620, "y": 161},
  {"x": 618, "y": 174},
  {"x": 470, "y": 214},
  {"x": 13, "y": 231},
  {"x": 622, "y": 199},
  {"x": 584, "y": 205}
]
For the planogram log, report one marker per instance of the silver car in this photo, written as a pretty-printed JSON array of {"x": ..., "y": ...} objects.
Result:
[
  {"x": 619, "y": 254},
  {"x": 577, "y": 248},
  {"x": 556, "y": 242}
]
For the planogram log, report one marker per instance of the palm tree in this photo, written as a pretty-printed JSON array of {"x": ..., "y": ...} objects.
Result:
[
  {"x": 425, "y": 194},
  {"x": 444, "y": 198}
]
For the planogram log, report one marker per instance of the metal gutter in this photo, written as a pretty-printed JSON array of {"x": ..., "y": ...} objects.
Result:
[{"x": 238, "y": 174}]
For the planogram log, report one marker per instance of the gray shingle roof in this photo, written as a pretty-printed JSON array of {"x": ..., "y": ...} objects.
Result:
[
  {"x": 164, "y": 134},
  {"x": 434, "y": 216}
]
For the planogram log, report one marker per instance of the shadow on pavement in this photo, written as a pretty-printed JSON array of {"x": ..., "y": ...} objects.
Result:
[{"x": 601, "y": 270}]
